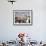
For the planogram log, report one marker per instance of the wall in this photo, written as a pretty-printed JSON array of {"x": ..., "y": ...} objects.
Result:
[{"x": 37, "y": 31}]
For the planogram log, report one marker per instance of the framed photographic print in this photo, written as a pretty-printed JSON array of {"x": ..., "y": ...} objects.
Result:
[{"x": 22, "y": 17}]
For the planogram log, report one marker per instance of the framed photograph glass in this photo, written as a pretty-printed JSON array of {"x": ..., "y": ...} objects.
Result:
[{"x": 22, "y": 17}]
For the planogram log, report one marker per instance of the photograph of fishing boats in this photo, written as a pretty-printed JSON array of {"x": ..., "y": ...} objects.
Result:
[{"x": 22, "y": 17}]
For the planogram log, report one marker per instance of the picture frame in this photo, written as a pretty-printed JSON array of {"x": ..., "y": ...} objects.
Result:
[{"x": 22, "y": 17}]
